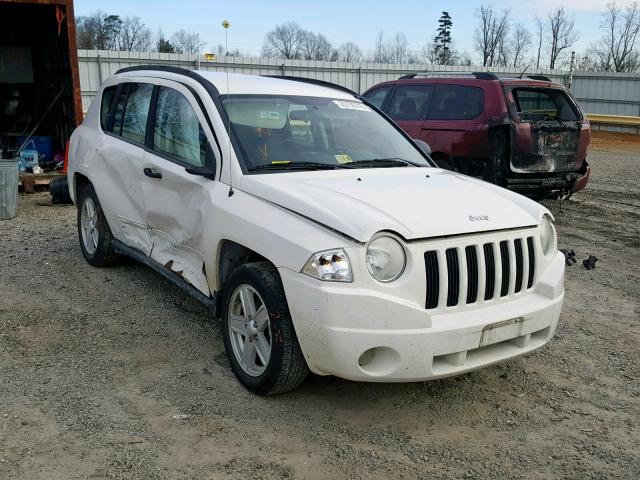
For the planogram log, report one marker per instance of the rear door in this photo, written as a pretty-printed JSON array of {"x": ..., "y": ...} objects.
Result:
[
  {"x": 408, "y": 106},
  {"x": 177, "y": 203},
  {"x": 117, "y": 171},
  {"x": 452, "y": 125}
]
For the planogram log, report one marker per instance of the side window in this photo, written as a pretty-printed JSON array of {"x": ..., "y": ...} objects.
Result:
[
  {"x": 377, "y": 96},
  {"x": 105, "y": 106},
  {"x": 136, "y": 111},
  {"x": 456, "y": 102},
  {"x": 177, "y": 131},
  {"x": 408, "y": 102}
]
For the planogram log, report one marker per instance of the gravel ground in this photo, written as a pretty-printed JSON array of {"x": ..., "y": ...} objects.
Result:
[{"x": 114, "y": 373}]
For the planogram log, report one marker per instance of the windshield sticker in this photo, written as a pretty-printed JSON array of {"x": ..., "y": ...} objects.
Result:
[
  {"x": 351, "y": 105},
  {"x": 265, "y": 115},
  {"x": 343, "y": 158}
]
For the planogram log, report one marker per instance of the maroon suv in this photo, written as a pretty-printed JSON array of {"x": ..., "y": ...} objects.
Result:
[{"x": 528, "y": 135}]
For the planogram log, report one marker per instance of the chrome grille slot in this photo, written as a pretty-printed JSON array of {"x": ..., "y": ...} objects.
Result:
[{"x": 478, "y": 272}]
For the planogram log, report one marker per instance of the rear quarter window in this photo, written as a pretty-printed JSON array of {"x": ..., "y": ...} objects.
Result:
[
  {"x": 105, "y": 107},
  {"x": 456, "y": 102}
]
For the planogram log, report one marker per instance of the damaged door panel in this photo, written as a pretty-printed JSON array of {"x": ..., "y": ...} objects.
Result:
[
  {"x": 547, "y": 131},
  {"x": 175, "y": 219},
  {"x": 180, "y": 259},
  {"x": 178, "y": 202}
]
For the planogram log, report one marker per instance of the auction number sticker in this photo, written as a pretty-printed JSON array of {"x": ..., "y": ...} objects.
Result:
[{"x": 346, "y": 105}]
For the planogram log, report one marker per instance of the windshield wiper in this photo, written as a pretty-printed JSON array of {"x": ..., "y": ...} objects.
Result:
[
  {"x": 381, "y": 163},
  {"x": 295, "y": 166}
]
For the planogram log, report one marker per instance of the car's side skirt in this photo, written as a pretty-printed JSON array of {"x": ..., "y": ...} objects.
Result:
[{"x": 124, "y": 249}]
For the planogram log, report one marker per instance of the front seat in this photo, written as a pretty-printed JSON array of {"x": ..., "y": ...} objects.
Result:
[{"x": 408, "y": 110}]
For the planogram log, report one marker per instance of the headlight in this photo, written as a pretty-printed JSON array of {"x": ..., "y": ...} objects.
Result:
[
  {"x": 385, "y": 258},
  {"x": 330, "y": 265},
  {"x": 547, "y": 235}
]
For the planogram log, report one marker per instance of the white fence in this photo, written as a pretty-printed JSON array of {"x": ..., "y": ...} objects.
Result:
[{"x": 605, "y": 93}]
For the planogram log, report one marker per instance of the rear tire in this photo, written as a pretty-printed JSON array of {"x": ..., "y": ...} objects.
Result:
[
  {"x": 93, "y": 231},
  {"x": 258, "y": 333}
]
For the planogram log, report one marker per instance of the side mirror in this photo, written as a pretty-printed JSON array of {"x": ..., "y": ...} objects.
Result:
[
  {"x": 206, "y": 171},
  {"x": 424, "y": 146}
]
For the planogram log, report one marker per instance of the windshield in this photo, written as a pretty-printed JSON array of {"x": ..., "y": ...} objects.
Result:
[{"x": 291, "y": 133}]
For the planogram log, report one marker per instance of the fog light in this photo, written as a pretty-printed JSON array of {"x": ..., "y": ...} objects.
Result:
[{"x": 379, "y": 361}]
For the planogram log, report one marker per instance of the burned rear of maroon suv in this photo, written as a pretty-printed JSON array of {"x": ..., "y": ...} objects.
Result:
[
  {"x": 549, "y": 136},
  {"x": 528, "y": 135}
]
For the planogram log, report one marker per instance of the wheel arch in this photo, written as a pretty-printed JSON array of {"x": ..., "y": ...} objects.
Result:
[
  {"x": 80, "y": 181},
  {"x": 230, "y": 256}
]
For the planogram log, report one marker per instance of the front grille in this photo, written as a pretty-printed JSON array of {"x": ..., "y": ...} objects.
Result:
[
  {"x": 479, "y": 271},
  {"x": 453, "y": 277}
]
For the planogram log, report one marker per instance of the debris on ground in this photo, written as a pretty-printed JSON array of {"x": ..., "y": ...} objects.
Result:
[
  {"x": 590, "y": 263},
  {"x": 569, "y": 256}
]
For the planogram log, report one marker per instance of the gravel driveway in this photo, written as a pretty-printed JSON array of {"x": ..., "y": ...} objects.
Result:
[{"x": 115, "y": 373}]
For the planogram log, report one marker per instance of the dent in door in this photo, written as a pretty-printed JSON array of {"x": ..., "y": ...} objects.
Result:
[{"x": 181, "y": 259}]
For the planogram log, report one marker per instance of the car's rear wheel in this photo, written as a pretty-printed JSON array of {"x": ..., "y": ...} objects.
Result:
[
  {"x": 93, "y": 231},
  {"x": 258, "y": 333}
]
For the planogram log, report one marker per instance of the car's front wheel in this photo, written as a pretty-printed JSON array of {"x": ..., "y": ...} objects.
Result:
[
  {"x": 93, "y": 230},
  {"x": 259, "y": 337}
]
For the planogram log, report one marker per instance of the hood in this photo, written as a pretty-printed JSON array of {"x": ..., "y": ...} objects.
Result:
[{"x": 413, "y": 202}]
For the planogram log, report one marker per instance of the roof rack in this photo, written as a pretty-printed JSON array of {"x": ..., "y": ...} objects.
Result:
[
  {"x": 313, "y": 81},
  {"x": 544, "y": 78},
  {"x": 478, "y": 75}
]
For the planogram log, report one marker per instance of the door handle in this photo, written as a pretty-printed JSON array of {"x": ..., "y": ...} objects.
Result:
[{"x": 150, "y": 173}]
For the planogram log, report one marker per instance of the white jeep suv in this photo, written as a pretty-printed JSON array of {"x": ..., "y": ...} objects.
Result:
[{"x": 320, "y": 233}]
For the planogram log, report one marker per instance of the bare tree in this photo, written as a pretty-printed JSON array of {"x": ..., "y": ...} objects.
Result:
[
  {"x": 315, "y": 46},
  {"x": 284, "y": 41},
  {"x": 187, "y": 42},
  {"x": 520, "y": 42},
  {"x": 394, "y": 50},
  {"x": 398, "y": 48},
  {"x": 349, "y": 52},
  {"x": 490, "y": 34},
  {"x": 221, "y": 51},
  {"x": 98, "y": 31},
  {"x": 618, "y": 49},
  {"x": 561, "y": 29},
  {"x": 540, "y": 31},
  {"x": 380, "y": 51},
  {"x": 134, "y": 35}
]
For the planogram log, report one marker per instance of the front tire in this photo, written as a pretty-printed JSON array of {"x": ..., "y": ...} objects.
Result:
[
  {"x": 93, "y": 231},
  {"x": 258, "y": 333}
]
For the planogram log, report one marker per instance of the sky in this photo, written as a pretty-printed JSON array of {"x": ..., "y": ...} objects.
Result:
[{"x": 339, "y": 21}]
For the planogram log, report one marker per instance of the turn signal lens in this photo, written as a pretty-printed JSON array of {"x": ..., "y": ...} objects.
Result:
[{"x": 329, "y": 265}]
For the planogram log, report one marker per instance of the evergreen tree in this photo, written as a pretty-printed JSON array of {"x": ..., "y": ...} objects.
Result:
[{"x": 443, "y": 40}]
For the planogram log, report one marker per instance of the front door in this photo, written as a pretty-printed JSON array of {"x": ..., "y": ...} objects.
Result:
[
  {"x": 408, "y": 107},
  {"x": 177, "y": 203}
]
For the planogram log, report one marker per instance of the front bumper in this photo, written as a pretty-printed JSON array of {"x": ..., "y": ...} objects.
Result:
[{"x": 338, "y": 325}]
